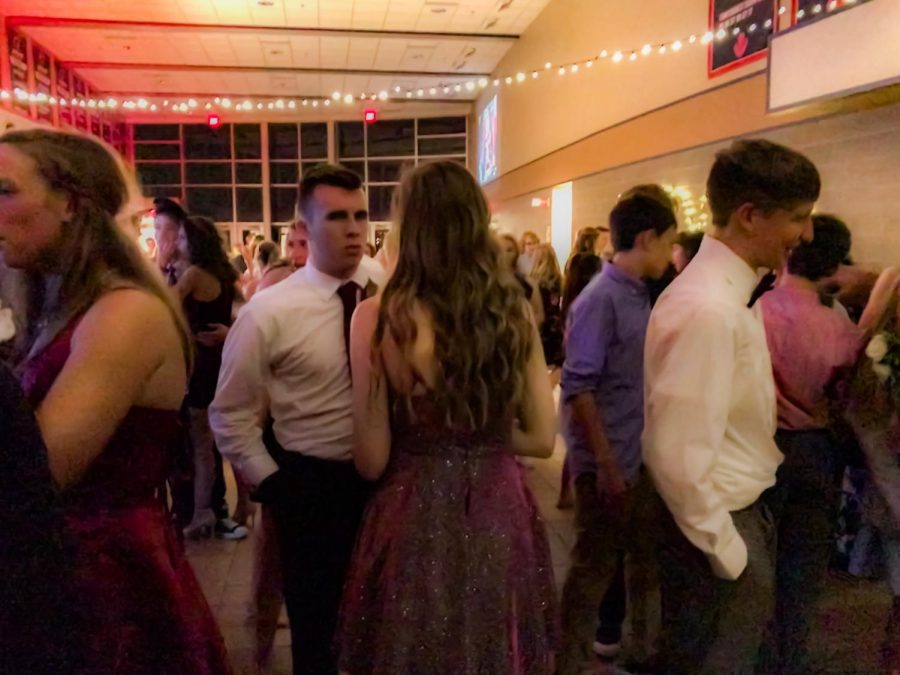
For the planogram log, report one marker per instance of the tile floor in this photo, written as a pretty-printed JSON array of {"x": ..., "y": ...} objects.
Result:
[{"x": 851, "y": 617}]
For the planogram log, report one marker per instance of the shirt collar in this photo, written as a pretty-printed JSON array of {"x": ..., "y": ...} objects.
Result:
[
  {"x": 618, "y": 275},
  {"x": 325, "y": 285},
  {"x": 718, "y": 256}
]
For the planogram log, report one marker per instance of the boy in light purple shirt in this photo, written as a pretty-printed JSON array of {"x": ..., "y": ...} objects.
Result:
[{"x": 602, "y": 388}]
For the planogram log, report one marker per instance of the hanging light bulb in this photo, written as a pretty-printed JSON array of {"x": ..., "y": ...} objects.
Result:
[
  {"x": 348, "y": 99},
  {"x": 645, "y": 50},
  {"x": 520, "y": 77},
  {"x": 483, "y": 82},
  {"x": 617, "y": 57},
  {"x": 470, "y": 86},
  {"x": 676, "y": 46}
]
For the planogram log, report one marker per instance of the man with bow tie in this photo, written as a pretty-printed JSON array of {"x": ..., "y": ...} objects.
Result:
[
  {"x": 710, "y": 411},
  {"x": 288, "y": 348}
]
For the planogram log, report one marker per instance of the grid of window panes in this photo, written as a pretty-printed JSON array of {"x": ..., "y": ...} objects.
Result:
[
  {"x": 293, "y": 148},
  {"x": 219, "y": 172},
  {"x": 381, "y": 152},
  {"x": 215, "y": 172}
]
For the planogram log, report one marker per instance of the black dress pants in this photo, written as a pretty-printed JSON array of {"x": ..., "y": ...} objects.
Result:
[{"x": 316, "y": 522}]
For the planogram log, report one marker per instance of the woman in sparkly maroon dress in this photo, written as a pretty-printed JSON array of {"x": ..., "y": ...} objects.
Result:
[{"x": 452, "y": 571}]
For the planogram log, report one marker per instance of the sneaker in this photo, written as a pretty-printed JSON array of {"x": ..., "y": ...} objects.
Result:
[
  {"x": 226, "y": 528},
  {"x": 608, "y": 642}
]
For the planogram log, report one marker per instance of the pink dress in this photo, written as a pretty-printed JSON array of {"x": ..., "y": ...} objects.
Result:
[
  {"x": 452, "y": 571},
  {"x": 140, "y": 608}
]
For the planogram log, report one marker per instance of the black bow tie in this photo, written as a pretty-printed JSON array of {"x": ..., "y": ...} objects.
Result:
[{"x": 766, "y": 284}]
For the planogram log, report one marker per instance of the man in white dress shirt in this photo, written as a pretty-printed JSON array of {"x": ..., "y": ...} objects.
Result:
[
  {"x": 710, "y": 412},
  {"x": 288, "y": 350}
]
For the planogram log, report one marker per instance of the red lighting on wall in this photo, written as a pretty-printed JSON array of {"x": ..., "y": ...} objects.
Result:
[
  {"x": 370, "y": 116},
  {"x": 214, "y": 121}
]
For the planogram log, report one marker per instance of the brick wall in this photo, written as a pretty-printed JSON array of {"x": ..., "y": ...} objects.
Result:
[{"x": 858, "y": 155}]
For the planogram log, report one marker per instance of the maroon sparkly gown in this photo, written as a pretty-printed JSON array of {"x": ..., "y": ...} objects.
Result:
[
  {"x": 141, "y": 609},
  {"x": 452, "y": 571}
]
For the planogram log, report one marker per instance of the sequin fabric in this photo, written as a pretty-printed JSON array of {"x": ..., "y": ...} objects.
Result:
[{"x": 452, "y": 570}]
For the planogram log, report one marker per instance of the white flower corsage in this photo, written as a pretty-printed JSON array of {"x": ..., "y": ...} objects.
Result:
[
  {"x": 7, "y": 324},
  {"x": 882, "y": 352}
]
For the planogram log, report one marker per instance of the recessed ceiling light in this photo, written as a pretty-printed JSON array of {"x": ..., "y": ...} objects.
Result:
[{"x": 265, "y": 3}]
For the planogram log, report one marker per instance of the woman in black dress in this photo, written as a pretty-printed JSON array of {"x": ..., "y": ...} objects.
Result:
[{"x": 207, "y": 291}]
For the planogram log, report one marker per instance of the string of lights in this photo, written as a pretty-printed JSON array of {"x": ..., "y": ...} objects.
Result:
[{"x": 157, "y": 104}]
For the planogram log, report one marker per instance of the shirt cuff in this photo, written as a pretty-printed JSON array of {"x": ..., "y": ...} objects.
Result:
[
  {"x": 256, "y": 469},
  {"x": 731, "y": 562}
]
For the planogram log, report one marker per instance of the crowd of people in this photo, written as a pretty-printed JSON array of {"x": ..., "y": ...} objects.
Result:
[{"x": 374, "y": 410}]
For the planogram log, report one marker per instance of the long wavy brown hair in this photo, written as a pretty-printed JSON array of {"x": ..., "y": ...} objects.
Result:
[
  {"x": 450, "y": 266},
  {"x": 95, "y": 253}
]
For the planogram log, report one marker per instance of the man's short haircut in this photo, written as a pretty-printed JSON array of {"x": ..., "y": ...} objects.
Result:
[
  {"x": 334, "y": 175},
  {"x": 762, "y": 173},
  {"x": 690, "y": 243},
  {"x": 634, "y": 215},
  {"x": 653, "y": 191},
  {"x": 822, "y": 256}
]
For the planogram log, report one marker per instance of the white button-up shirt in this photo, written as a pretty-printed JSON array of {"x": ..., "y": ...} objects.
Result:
[
  {"x": 710, "y": 411},
  {"x": 286, "y": 350}
]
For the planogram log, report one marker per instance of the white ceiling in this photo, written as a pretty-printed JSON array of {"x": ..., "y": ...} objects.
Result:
[
  {"x": 483, "y": 16},
  {"x": 276, "y": 47}
]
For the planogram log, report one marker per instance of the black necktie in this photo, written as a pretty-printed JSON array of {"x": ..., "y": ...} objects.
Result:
[
  {"x": 766, "y": 284},
  {"x": 349, "y": 294}
]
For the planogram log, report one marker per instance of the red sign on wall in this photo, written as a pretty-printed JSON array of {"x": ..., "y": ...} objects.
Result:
[{"x": 741, "y": 30}]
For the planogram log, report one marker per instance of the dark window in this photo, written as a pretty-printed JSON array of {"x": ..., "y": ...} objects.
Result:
[
  {"x": 459, "y": 160},
  {"x": 247, "y": 141},
  {"x": 156, "y": 132},
  {"x": 201, "y": 142},
  {"x": 284, "y": 201},
  {"x": 350, "y": 139},
  {"x": 157, "y": 151},
  {"x": 283, "y": 141},
  {"x": 389, "y": 171},
  {"x": 434, "y": 126},
  {"x": 314, "y": 141},
  {"x": 283, "y": 172},
  {"x": 442, "y": 146},
  {"x": 172, "y": 191},
  {"x": 391, "y": 138},
  {"x": 380, "y": 202},
  {"x": 218, "y": 173},
  {"x": 359, "y": 168},
  {"x": 249, "y": 205},
  {"x": 248, "y": 172},
  {"x": 159, "y": 174},
  {"x": 213, "y": 203}
]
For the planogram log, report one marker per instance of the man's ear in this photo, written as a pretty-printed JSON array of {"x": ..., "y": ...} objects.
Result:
[{"x": 742, "y": 217}]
